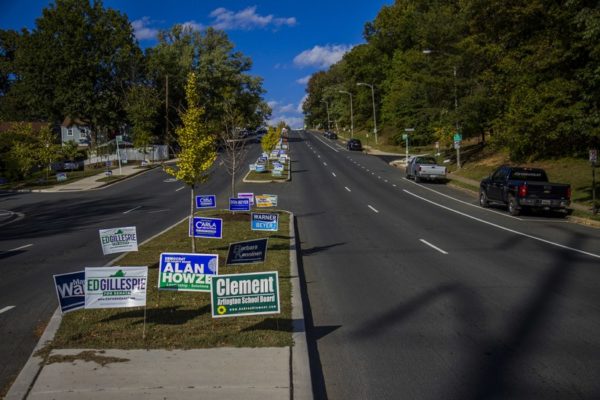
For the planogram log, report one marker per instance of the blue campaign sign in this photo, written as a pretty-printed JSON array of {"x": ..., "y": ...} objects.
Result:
[
  {"x": 207, "y": 227},
  {"x": 249, "y": 252},
  {"x": 206, "y": 201},
  {"x": 70, "y": 289},
  {"x": 239, "y": 204},
  {"x": 265, "y": 222}
]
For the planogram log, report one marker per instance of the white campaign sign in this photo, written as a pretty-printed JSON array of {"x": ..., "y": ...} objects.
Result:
[
  {"x": 116, "y": 287},
  {"x": 118, "y": 240}
]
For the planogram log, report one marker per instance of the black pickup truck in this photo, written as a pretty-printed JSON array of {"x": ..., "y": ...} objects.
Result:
[{"x": 524, "y": 188}]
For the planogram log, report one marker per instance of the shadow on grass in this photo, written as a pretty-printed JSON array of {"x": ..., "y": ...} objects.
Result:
[
  {"x": 161, "y": 316},
  {"x": 272, "y": 324}
]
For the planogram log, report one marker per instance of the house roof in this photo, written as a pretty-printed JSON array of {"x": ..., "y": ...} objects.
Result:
[{"x": 68, "y": 122}]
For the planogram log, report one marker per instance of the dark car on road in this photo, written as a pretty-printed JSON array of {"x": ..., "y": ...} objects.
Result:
[
  {"x": 354, "y": 144},
  {"x": 330, "y": 135},
  {"x": 524, "y": 188}
]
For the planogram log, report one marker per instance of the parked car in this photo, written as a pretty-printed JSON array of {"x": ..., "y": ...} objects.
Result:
[
  {"x": 354, "y": 144},
  {"x": 332, "y": 135},
  {"x": 425, "y": 167},
  {"x": 524, "y": 188}
]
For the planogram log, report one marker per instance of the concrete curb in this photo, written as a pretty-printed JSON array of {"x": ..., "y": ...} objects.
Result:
[
  {"x": 301, "y": 379},
  {"x": 28, "y": 375},
  {"x": 289, "y": 178}
]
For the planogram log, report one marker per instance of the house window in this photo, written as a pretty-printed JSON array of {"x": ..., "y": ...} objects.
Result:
[{"x": 69, "y": 131}]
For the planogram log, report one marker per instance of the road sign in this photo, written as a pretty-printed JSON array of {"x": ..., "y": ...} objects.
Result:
[
  {"x": 70, "y": 290},
  {"x": 404, "y": 136},
  {"x": 239, "y": 204},
  {"x": 206, "y": 227},
  {"x": 409, "y": 129},
  {"x": 206, "y": 201},
  {"x": 247, "y": 252},
  {"x": 594, "y": 156},
  {"x": 245, "y": 294},
  {"x": 457, "y": 144},
  {"x": 115, "y": 287},
  {"x": 457, "y": 137},
  {"x": 187, "y": 272}
]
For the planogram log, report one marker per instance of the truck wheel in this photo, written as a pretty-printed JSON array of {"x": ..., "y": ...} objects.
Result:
[
  {"x": 513, "y": 207},
  {"x": 483, "y": 199}
]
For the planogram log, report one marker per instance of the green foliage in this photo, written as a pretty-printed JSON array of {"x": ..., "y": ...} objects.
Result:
[
  {"x": 526, "y": 73},
  {"x": 142, "y": 107},
  {"x": 197, "y": 143}
]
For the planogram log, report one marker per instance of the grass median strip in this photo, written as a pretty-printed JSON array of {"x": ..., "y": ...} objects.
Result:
[{"x": 182, "y": 320}]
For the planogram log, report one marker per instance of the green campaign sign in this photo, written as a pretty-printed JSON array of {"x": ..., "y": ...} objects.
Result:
[{"x": 245, "y": 294}]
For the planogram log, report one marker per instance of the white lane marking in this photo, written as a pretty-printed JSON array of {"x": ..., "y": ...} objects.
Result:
[
  {"x": 372, "y": 173},
  {"x": 21, "y": 247},
  {"x": 324, "y": 163},
  {"x": 133, "y": 209},
  {"x": 318, "y": 156},
  {"x": 372, "y": 208},
  {"x": 347, "y": 188},
  {"x": 320, "y": 140},
  {"x": 181, "y": 188},
  {"x": 385, "y": 180},
  {"x": 157, "y": 211},
  {"x": 432, "y": 246},
  {"x": 5, "y": 309},
  {"x": 378, "y": 177},
  {"x": 464, "y": 202},
  {"x": 562, "y": 246},
  {"x": 334, "y": 175},
  {"x": 393, "y": 184}
]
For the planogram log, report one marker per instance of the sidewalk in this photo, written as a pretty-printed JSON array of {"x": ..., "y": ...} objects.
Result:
[
  {"x": 216, "y": 373},
  {"x": 91, "y": 182}
]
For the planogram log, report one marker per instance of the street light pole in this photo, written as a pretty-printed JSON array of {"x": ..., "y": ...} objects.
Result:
[
  {"x": 351, "y": 113},
  {"x": 427, "y": 52},
  {"x": 374, "y": 116},
  {"x": 327, "y": 108}
]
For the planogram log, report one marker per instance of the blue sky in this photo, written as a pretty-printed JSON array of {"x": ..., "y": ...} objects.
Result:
[{"x": 287, "y": 40}]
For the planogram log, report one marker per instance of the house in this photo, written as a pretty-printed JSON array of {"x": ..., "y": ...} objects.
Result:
[{"x": 75, "y": 130}]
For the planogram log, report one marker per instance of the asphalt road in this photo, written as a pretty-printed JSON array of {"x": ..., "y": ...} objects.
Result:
[
  {"x": 53, "y": 233},
  {"x": 415, "y": 292}
]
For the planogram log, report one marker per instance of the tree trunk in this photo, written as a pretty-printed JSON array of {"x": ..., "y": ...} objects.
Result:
[{"x": 192, "y": 218}]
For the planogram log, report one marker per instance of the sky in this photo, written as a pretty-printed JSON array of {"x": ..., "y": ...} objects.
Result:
[{"x": 286, "y": 40}]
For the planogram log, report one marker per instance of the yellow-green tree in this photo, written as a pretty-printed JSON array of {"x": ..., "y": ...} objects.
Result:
[{"x": 197, "y": 144}]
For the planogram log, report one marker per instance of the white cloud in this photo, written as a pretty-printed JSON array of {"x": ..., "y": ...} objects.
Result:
[
  {"x": 272, "y": 104},
  {"x": 141, "y": 29},
  {"x": 303, "y": 81},
  {"x": 293, "y": 122},
  {"x": 322, "y": 56},
  {"x": 301, "y": 103},
  {"x": 287, "y": 108},
  {"x": 193, "y": 25},
  {"x": 246, "y": 19}
]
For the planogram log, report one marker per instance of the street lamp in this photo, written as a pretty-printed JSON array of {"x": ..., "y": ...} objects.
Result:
[
  {"x": 351, "y": 113},
  {"x": 374, "y": 117},
  {"x": 327, "y": 108},
  {"x": 427, "y": 52}
]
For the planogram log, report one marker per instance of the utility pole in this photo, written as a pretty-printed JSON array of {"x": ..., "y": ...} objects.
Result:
[
  {"x": 167, "y": 113},
  {"x": 351, "y": 113},
  {"x": 374, "y": 114}
]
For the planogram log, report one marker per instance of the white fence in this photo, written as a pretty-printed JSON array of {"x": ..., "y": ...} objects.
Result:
[{"x": 153, "y": 153}]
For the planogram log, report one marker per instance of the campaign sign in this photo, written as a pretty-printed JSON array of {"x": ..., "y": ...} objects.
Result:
[
  {"x": 239, "y": 204},
  {"x": 248, "y": 252},
  {"x": 61, "y": 177},
  {"x": 115, "y": 287},
  {"x": 266, "y": 200},
  {"x": 118, "y": 240},
  {"x": 260, "y": 168},
  {"x": 245, "y": 294},
  {"x": 265, "y": 222},
  {"x": 249, "y": 196},
  {"x": 187, "y": 272},
  {"x": 206, "y": 201},
  {"x": 70, "y": 290},
  {"x": 207, "y": 227}
]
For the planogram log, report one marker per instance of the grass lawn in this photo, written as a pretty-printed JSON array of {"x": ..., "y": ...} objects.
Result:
[
  {"x": 38, "y": 179},
  {"x": 182, "y": 320}
]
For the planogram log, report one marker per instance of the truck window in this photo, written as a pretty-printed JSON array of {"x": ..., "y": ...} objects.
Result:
[{"x": 526, "y": 174}]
